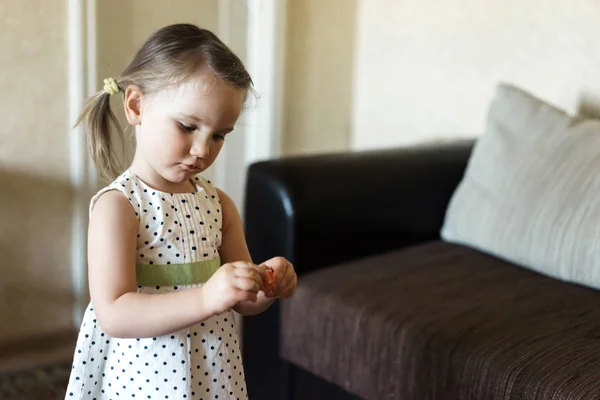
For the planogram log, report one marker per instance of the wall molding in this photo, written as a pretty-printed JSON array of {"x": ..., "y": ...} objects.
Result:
[
  {"x": 267, "y": 32},
  {"x": 82, "y": 82},
  {"x": 259, "y": 129},
  {"x": 224, "y": 31}
]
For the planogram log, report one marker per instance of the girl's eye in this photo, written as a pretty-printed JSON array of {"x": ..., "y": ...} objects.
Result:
[
  {"x": 219, "y": 138},
  {"x": 187, "y": 128}
]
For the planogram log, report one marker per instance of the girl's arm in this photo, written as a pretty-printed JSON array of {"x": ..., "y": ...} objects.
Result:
[
  {"x": 234, "y": 248},
  {"x": 121, "y": 311}
]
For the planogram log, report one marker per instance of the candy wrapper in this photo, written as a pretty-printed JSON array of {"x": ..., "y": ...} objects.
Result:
[{"x": 269, "y": 282}]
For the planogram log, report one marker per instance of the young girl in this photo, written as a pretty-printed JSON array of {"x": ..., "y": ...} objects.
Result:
[{"x": 168, "y": 261}]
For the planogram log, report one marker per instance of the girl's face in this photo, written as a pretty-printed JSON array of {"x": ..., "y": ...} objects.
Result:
[{"x": 181, "y": 129}]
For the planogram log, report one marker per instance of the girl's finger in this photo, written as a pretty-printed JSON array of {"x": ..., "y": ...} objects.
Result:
[
  {"x": 244, "y": 295},
  {"x": 260, "y": 270},
  {"x": 247, "y": 273},
  {"x": 287, "y": 279},
  {"x": 288, "y": 291},
  {"x": 248, "y": 285}
]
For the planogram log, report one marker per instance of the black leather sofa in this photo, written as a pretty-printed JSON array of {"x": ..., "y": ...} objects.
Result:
[{"x": 385, "y": 309}]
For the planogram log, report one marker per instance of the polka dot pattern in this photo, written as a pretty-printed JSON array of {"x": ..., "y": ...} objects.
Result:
[{"x": 202, "y": 361}]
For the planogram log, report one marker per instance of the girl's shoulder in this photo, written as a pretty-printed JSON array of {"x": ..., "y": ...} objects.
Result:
[{"x": 127, "y": 185}]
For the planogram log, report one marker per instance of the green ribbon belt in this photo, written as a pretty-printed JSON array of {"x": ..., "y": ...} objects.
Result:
[{"x": 176, "y": 274}]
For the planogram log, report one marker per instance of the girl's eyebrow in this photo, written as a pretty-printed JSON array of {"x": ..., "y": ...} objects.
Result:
[{"x": 189, "y": 116}]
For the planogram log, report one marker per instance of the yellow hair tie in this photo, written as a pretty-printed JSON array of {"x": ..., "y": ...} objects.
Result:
[{"x": 110, "y": 86}]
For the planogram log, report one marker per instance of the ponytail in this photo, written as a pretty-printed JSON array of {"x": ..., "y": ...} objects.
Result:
[{"x": 97, "y": 116}]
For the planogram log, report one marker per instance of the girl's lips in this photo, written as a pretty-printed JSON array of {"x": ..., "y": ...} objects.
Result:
[{"x": 191, "y": 167}]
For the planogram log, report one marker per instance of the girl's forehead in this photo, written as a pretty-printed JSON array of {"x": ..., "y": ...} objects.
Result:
[
  {"x": 193, "y": 88},
  {"x": 199, "y": 90},
  {"x": 200, "y": 94}
]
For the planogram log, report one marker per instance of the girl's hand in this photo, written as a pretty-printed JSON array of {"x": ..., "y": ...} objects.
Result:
[
  {"x": 232, "y": 283},
  {"x": 285, "y": 277}
]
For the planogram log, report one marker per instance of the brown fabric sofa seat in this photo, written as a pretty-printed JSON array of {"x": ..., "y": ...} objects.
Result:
[{"x": 440, "y": 321}]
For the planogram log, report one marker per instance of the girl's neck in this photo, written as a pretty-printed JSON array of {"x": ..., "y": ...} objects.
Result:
[{"x": 154, "y": 180}]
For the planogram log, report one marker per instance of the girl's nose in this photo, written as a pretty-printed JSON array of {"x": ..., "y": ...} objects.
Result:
[{"x": 200, "y": 148}]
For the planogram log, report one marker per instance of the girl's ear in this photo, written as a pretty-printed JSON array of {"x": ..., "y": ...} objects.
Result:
[{"x": 133, "y": 105}]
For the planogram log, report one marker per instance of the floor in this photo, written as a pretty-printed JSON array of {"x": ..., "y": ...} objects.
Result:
[
  {"x": 41, "y": 373},
  {"x": 39, "y": 383}
]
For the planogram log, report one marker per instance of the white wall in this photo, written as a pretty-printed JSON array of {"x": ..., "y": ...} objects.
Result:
[
  {"x": 427, "y": 69},
  {"x": 318, "y": 76}
]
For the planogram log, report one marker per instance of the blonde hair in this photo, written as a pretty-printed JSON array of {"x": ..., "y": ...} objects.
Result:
[{"x": 169, "y": 56}]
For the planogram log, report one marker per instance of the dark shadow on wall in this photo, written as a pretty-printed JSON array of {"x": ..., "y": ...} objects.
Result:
[{"x": 35, "y": 238}]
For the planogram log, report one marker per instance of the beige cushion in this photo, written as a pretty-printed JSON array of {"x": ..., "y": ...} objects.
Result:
[{"x": 531, "y": 192}]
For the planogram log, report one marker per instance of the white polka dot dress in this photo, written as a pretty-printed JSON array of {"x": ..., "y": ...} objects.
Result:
[{"x": 177, "y": 249}]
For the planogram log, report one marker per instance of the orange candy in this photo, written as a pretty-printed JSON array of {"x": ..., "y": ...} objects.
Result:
[{"x": 269, "y": 283}]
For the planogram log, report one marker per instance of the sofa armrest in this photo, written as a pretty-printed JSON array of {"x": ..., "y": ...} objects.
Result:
[{"x": 324, "y": 209}]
